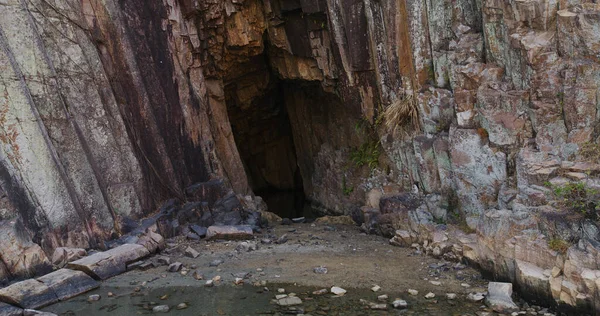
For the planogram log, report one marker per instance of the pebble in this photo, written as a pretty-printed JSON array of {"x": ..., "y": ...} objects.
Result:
[
  {"x": 110, "y": 294},
  {"x": 280, "y": 290},
  {"x": 182, "y": 306},
  {"x": 382, "y": 298},
  {"x": 379, "y": 307},
  {"x": 280, "y": 296},
  {"x": 209, "y": 283},
  {"x": 475, "y": 297},
  {"x": 429, "y": 295},
  {"x": 215, "y": 263},
  {"x": 289, "y": 301},
  {"x": 161, "y": 309},
  {"x": 413, "y": 292},
  {"x": 320, "y": 270},
  {"x": 238, "y": 281},
  {"x": 465, "y": 285},
  {"x": 451, "y": 296},
  {"x": 320, "y": 292},
  {"x": 197, "y": 275},
  {"x": 376, "y": 288},
  {"x": 338, "y": 290},
  {"x": 216, "y": 278},
  {"x": 94, "y": 298},
  {"x": 436, "y": 283},
  {"x": 399, "y": 304}
]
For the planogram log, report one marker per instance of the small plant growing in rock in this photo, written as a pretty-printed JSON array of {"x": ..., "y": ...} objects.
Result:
[
  {"x": 367, "y": 154},
  {"x": 345, "y": 188},
  {"x": 590, "y": 151},
  {"x": 577, "y": 197},
  {"x": 558, "y": 245}
]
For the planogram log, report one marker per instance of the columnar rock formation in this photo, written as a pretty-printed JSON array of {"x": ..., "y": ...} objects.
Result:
[{"x": 109, "y": 107}]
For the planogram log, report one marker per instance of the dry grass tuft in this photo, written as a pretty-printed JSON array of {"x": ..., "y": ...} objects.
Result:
[{"x": 402, "y": 114}]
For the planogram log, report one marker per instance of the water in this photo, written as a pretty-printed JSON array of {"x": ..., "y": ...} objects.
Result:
[{"x": 250, "y": 300}]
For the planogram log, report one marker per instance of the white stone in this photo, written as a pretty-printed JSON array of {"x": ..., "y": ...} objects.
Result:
[
  {"x": 375, "y": 288},
  {"x": 400, "y": 304},
  {"x": 450, "y": 296},
  {"x": 413, "y": 292},
  {"x": 289, "y": 301},
  {"x": 338, "y": 290},
  {"x": 436, "y": 283},
  {"x": 429, "y": 295}
]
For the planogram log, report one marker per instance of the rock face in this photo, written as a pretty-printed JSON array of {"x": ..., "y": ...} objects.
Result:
[{"x": 473, "y": 108}]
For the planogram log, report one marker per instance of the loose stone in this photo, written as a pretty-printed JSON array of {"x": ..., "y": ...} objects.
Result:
[
  {"x": 475, "y": 297},
  {"x": 382, "y": 298},
  {"x": 191, "y": 252},
  {"x": 215, "y": 263},
  {"x": 94, "y": 298},
  {"x": 429, "y": 295},
  {"x": 413, "y": 292},
  {"x": 161, "y": 309},
  {"x": 175, "y": 267},
  {"x": 338, "y": 290},
  {"x": 376, "y": 288},
  {"x": 399, "y": 304},
  {"x": 451, "y": 296},
  {"x": 436, "y": 283},
  {"x": 289, "y": 301},
  {"x": 182, "y": 306},
  {"x": 320, "y": 270}
]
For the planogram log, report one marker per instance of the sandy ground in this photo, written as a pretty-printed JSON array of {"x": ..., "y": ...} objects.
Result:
[{"x": 352, "y": 259}]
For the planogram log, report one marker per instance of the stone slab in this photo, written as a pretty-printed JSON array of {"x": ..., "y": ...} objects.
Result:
[
  {"x": 9, "y": 310},
  {"x": 229, "y": 232},
  {"x": 68, "y": 283},
  {"x": 104, "y": 265},
  {"x": 30, "y": 293}
]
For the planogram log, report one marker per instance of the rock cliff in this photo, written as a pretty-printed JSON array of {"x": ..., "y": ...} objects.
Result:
[{"x": 486, "y": 110}]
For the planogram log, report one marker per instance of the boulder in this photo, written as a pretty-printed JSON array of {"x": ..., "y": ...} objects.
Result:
[
  {"x": 198, "y": 230},
  {"x": 152, "y": 241},
  {"x": 9, "y": 310},
  {"x": 103, "y": 265},
  {"x": 22, "y": 257},
  {"x": 64, "y": 255},
  {"x": 191, "y": 252},
  {"x": 68, "y": 283},
  {"x": 30, "y": 293},
  {"x": 229, "y": 232},
  {"x": 499, "y": 297}
]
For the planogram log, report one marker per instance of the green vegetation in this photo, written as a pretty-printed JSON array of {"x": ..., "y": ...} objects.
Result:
[
  {"x": 367, "y": 154},
  {"x": 345, "y": 188},
  {"x": 577, "y": 197},
  {"x": 558, "y": 245},
  {"x": 590, "y": 151}
]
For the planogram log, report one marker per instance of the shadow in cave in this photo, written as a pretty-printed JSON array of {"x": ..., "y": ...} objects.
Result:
[{"x": 263, "y": 134}]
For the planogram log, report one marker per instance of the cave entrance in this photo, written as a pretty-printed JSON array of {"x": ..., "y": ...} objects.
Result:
[{"x": 255, "y": 100}]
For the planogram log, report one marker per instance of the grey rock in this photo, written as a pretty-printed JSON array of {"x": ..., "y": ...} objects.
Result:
[
  {"x": 9, "y": 310},
  {"x": 94, "y": 298},
  {"x": 33, "y": 312},
  {"x": 399, "y": 304},
  {"x": 247, "y": 246},
  {"x": 161, "y": 309},
  {"x": 198, "y": 230},
  {"x": 320, "y": 270},
  {"x": 175, "y": 267},
  {"x": 229, "y": 232},
  {"x": 103, "y": 265},
  {"x": 282, "y": 240},
  {"x": 163, "y": 260},
  {"x": 298, "y": 220},
  {"x": 64, "y": 255},
  {"x": 191, "y": 252},
  {"x": 215, "y": 263},
  {"x": 68, "y": 283},
  {"x": 30, "y": 293},
  {"x": 289, "y": 301},
  {"x": 499, "y": 297},
  {"x": 476, "y": 297}
]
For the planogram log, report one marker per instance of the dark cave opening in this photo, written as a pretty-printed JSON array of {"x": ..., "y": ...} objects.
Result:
[{"x": 263, "y": 134}]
